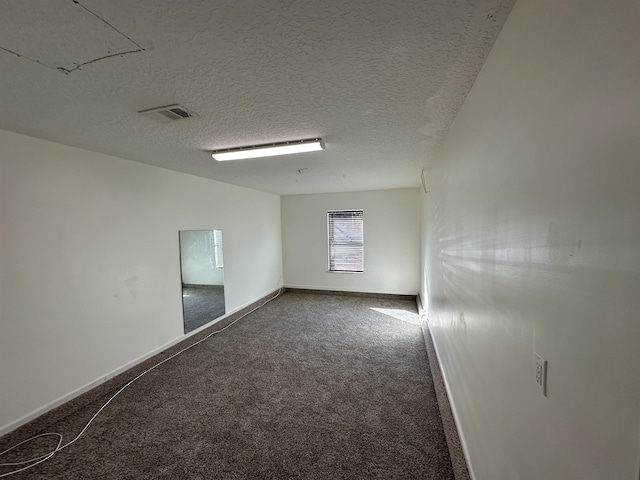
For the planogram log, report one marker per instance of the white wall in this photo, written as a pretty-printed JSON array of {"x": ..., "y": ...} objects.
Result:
[
  {"x": 424, "y": 252},
  {"x": 391, "y": 241},
  {"x": 197, "y": 258},
  {"x": 90, "y": 276},
  {"x": 534, "y": 245}
]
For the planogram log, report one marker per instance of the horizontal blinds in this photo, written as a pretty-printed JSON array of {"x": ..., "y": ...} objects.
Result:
[{"x": 346, "y": 243}]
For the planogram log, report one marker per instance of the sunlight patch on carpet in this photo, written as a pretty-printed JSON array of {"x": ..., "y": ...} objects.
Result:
[{"x": 404, "y": 315}]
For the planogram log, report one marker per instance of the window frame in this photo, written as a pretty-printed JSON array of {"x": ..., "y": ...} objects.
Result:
[{"x": 331, "y": 244}]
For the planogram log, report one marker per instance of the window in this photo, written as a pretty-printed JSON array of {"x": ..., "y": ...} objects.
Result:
[
  {"x": 217, "y": 249},
  {"x": 346, "y": 245}
]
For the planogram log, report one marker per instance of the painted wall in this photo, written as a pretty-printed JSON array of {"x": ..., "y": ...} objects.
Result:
[
  {"x": 197, "y": 257},
  {"x": 90, "y": 277},
  {"x": 534, "y": 245},
  {"x": 424, "y": 253},
  {"x": 391, "y": 241}
]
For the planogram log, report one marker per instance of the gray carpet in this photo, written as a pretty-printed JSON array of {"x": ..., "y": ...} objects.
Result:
[
  {"x": 310, "y": 386},
  {"x": 201, "y": 304}
]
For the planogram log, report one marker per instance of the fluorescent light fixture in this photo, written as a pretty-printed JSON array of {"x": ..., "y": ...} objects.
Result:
[{"x": 269, "y": 150}]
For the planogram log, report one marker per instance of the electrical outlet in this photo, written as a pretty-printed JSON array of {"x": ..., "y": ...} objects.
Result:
[{"x": 541, "y": 374}]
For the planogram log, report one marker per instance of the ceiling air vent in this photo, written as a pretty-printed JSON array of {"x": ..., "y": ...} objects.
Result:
[{"x": 168, "y": 113}]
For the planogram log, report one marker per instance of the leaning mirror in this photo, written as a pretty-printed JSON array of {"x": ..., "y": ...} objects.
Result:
[{"x": 202, "y": 269}]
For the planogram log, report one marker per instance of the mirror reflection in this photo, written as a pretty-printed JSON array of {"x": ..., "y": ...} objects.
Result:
[{"x": 202, "y": 268}]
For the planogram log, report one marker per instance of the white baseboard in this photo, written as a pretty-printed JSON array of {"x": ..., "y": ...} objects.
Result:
[
  {"x": 98, "y": 381},
  {"x": 454, "y": 410}
]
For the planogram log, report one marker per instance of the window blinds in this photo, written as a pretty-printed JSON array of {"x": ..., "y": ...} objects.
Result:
[{"x": 346, "y": 244}]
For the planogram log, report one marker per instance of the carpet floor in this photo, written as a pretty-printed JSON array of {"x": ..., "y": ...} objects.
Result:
[{"x": 308, "y": 386}]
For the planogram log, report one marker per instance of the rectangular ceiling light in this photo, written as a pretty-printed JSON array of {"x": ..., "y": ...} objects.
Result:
[{"x": 269, "y": 150}]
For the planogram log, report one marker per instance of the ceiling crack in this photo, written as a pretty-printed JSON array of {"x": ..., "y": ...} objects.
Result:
[
  {"x": 62, "y": 69},
  {"x": 111, "y": 26},
  {"x": 67, "y": 71}
]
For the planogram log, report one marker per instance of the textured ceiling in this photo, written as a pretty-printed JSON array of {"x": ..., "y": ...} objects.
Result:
[{"x": 379, "y": 81}]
